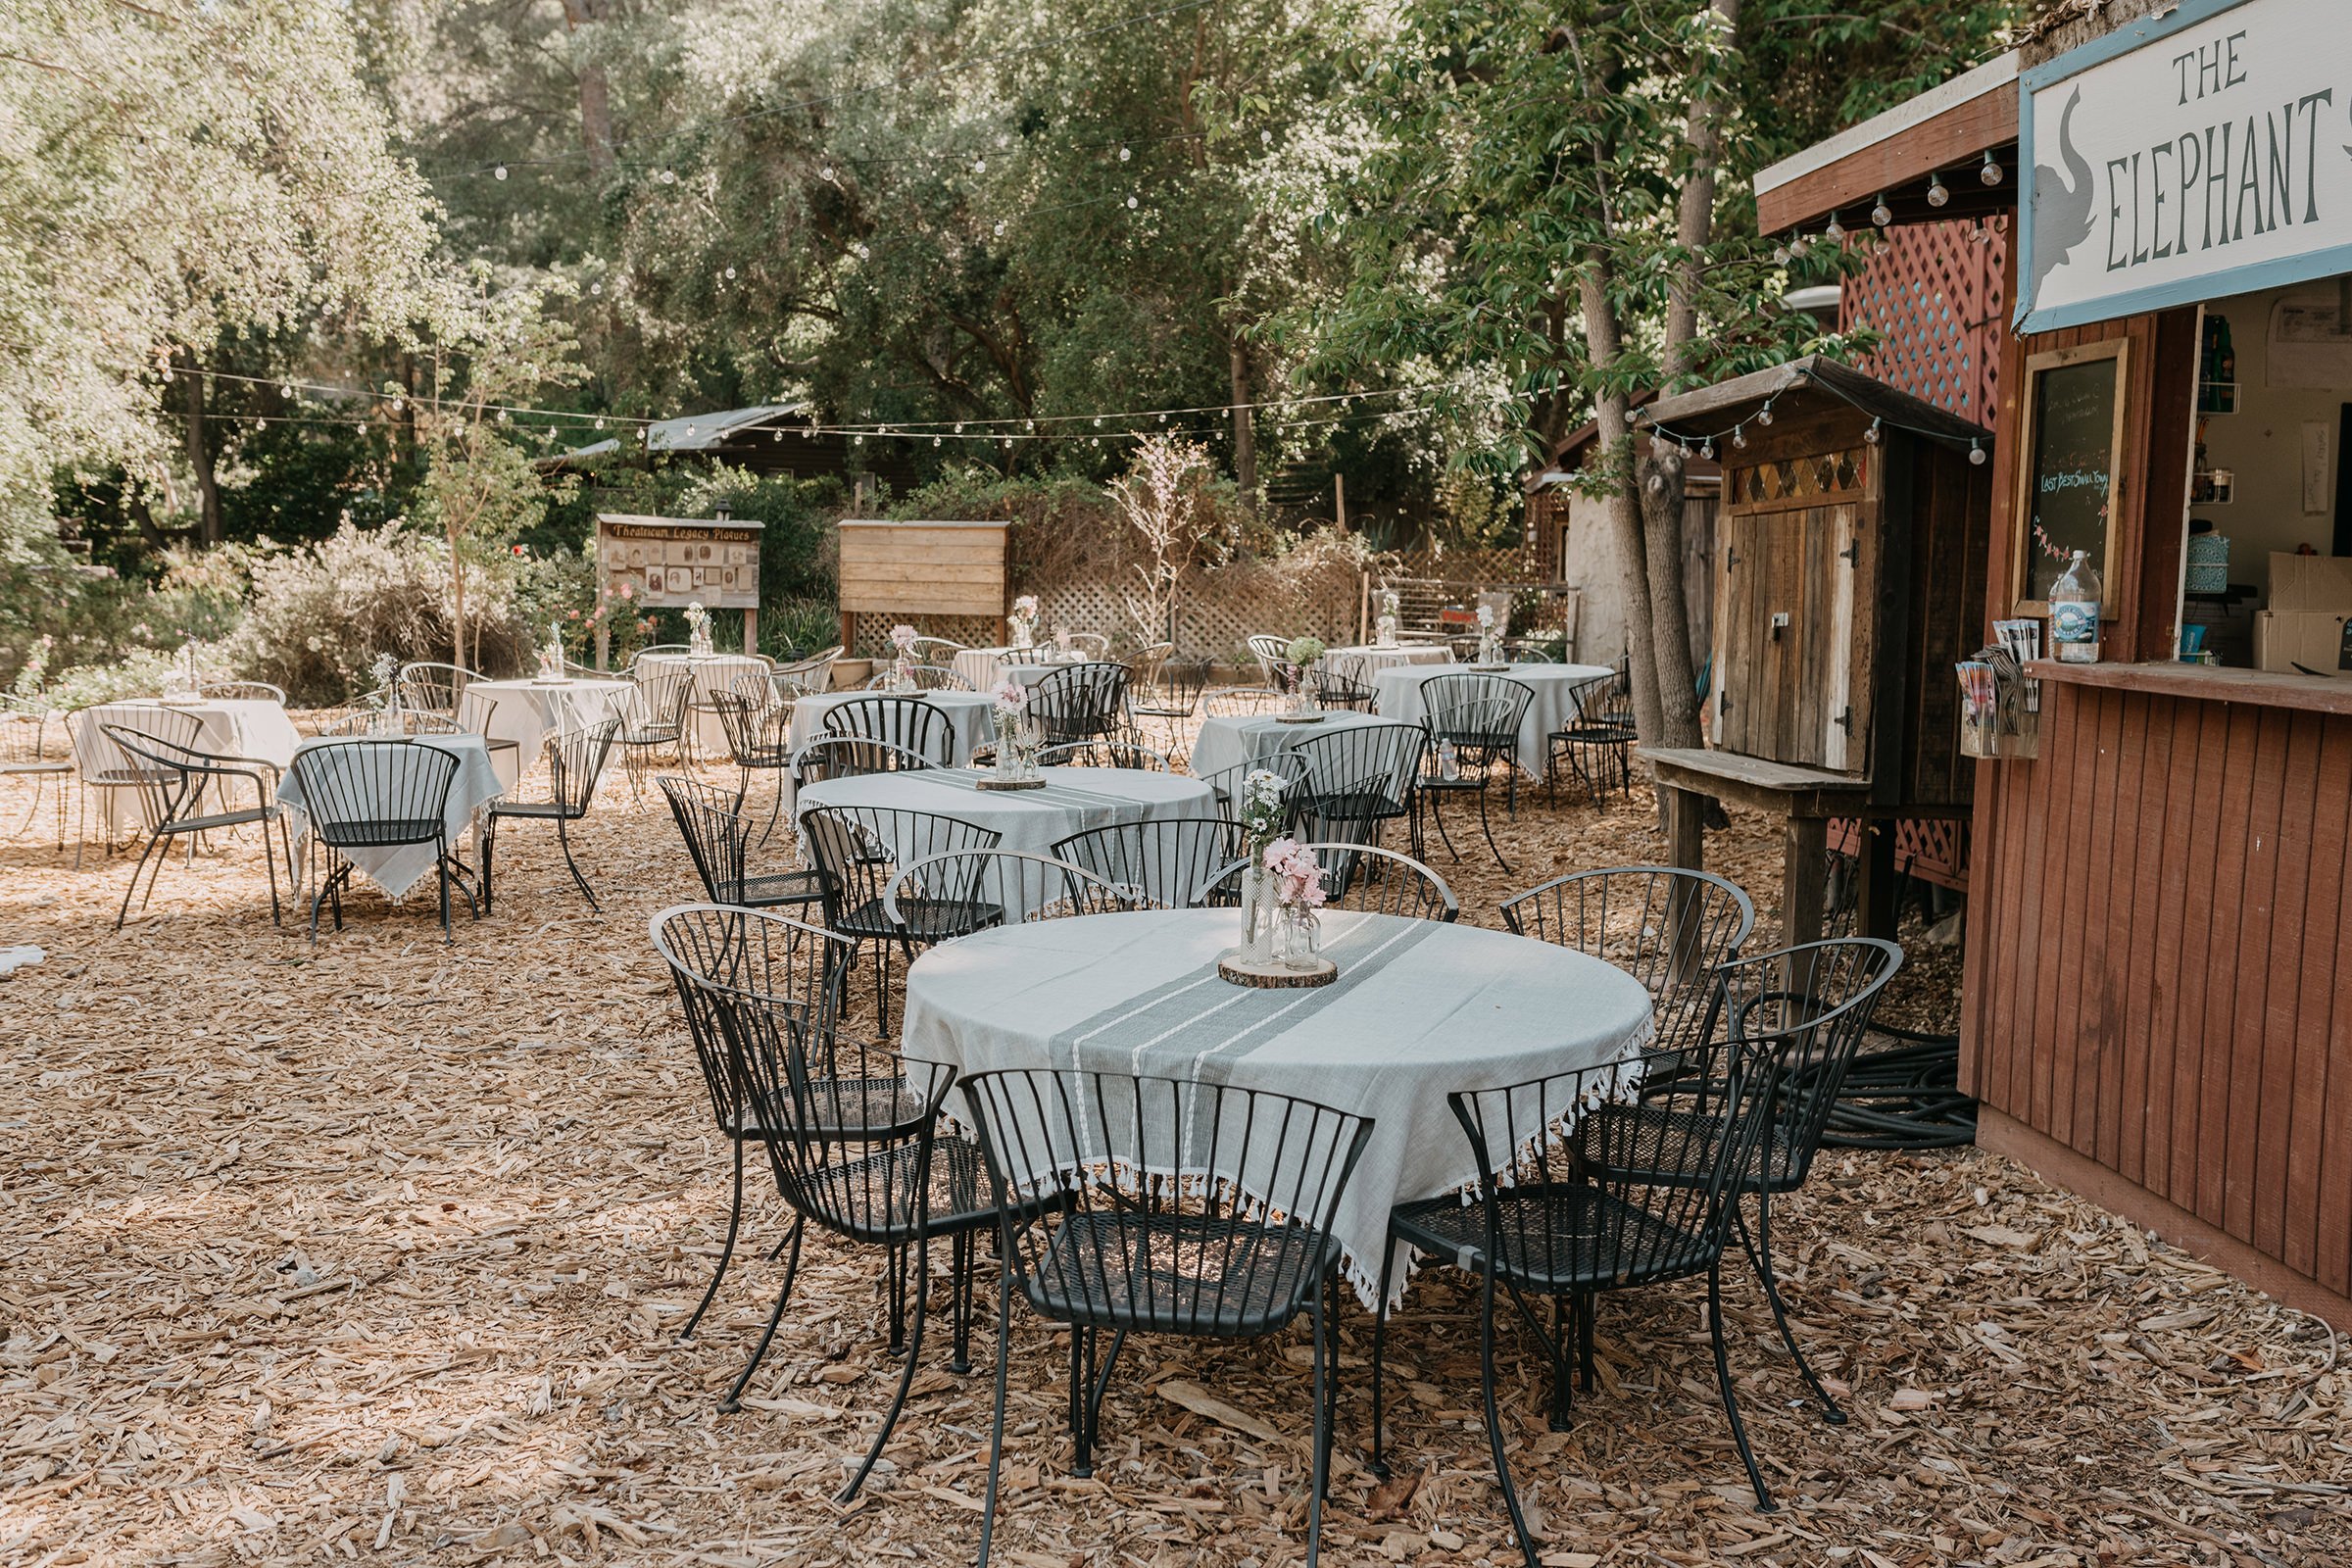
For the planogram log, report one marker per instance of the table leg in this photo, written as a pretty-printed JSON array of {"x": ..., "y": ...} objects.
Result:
[
  {"x": 1804, "y": 877},
  {"x": 1875, "y": 901}
]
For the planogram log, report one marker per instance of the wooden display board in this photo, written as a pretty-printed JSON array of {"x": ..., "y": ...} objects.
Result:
[
  {"x": 904, "y": 569},
  {"x": 670, "y": 563}
]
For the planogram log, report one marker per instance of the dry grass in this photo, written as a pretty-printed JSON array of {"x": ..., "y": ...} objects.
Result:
[{"x": 377, "y": 1250}]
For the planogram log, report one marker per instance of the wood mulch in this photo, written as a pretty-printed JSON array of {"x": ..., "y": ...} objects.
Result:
[{"x": 377, "y": 1250}]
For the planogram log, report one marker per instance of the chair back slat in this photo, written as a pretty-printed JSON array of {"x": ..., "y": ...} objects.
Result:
[
  {"x": 1080, "y": 702},
  {"x": 907, "y": 723},
  {"x": 376, "y": 794},
  {"x": 1669, "y": 928},
  {"x": 1172, "y": 863}
]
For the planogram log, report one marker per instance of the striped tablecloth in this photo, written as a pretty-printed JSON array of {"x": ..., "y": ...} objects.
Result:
[
  {"x": 1420, "y": 1009},
  {"x": 1223, "y": 741},
  {"x": 984, "y": 667}
]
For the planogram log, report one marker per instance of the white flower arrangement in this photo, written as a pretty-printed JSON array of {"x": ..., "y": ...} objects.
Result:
[
  {"x": 902, "y": 637},
  {"x": 1486, "y": 618},
  {"x": 1389, "y": 602},
  {"x": 697, "y": 618},
  {"x": 1261, "y": 811},
  {"x": 1305, "y": 651}
]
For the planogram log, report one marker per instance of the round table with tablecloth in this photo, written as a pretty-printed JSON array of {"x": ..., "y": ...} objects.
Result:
[
  {"x": 1397, "y": 695},
  {"x": 527, "y": 712},
  {"x": 1224, "y": 742},
  {"x": 1421, "y": 1010},
  {"x": 969, "y": 715},
  {"x": 255, "y": 729},
  {"x": 712, "y": 674}
]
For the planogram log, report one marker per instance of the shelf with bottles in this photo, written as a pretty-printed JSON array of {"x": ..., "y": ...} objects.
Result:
[{"x": 2216, "y": 367}]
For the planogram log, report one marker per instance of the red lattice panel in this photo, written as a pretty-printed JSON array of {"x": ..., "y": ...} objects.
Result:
[{"x": 1932, "y": 292}]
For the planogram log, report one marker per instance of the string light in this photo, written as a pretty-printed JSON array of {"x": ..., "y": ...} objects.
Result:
[
  {"x": 1882, "y": 213},
  {"x": 1976, "y": 454},
  {"x": 1874, "y": 435},
  {"x": 500, "y": 172},
  {"x": 1938, "y": 194},
  {"x": 1835, "y": 231},
  {"x": 1991, "y": 174}
]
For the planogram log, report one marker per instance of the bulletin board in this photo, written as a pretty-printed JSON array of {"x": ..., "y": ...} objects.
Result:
[
  {"x": 670, "y": 563},
  {"x": 2069, "y": 478}
]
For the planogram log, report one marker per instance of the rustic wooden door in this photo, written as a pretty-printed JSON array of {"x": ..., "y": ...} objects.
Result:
[{"x": 1794, "y": 618}]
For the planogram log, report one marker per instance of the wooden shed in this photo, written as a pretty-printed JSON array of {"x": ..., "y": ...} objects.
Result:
[{"x": 1850, "y": 562}]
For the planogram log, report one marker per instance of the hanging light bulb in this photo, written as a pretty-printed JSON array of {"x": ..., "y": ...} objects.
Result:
[
  {"x": 1797, "y": 244},
  {"x": 1991, "y": 174},
  {"x": 1740, "y": 436},
  {"x": 935, "y": 440},
  {"x": 500, "y": 172},
  {"x": 775, "y": 437},
  {"x": 1882, "y": 213},
  {"x": 825, "y": 173},
  {"x": 506, "y": 417},
  {"x": 959, "y": 427},
  {"x": 1938, "y": 192},
  {"x": 1779, "y": 255},
  {"x": 285, "y": 389},
  {"x": 669, "y": 176},
  {"x": 600, "y": 423},
  {"x": 1875, "y": 434},
  {"x": 1976, "y": 454},
  {"x": 1764, "y": 414},
  {"x": 1097, "y": 422},
  {"x": 1657, "y": 445},
  {"x": 1126, "y": 153},
  {"x": 596, "y": 288},
  {"x": 1835, "y": 231},
  {"x": 1030, "y": 425},
  {"x": 999, "y": 228},
  {"x": 261, "y": 424},
  {"x": 1707, "y": 449},
  {"x": 1131, "y": 204},
  {"x": 730, "y": 274}
]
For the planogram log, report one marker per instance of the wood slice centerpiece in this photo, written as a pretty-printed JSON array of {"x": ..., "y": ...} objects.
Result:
[
  {"x": 1300, "y": 718},
  {"x": 1274, "y": 974},
  {"x": 989, "y": 781},
  {"x": 1490, "y": 669}
]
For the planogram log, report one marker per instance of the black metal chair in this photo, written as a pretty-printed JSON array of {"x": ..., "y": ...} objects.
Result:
[
  {"x": 1545, "y": 1222},
  {"x": 1091, "y": 1239},
  {"x": 1289, "y": 767},
  {"x": 1359, "y": 778},
  {"x": 719, "y": 842},
  {"x": 180, "y": 786},
  {"x": 243, "y": 691},
  {"x": 720, "y": 676},
  {"x": 375, "y": 795},
  {"x": 1340, "y": 689},
  {"x": 851, "y": 757},
  {"x": 1171, "y": 864},
  {"x": 1173, "y": 697},
  {"x": 575, "y": 761},
  {"x": 856, "y": 851},
  {"x": 1021, "y": 884},
  {"x": 1081, "y": 701},
  {"x": 1240, "y": 701},
  {"x": 26, "y": 751},
  {"x": 425, "y": 687},
  {"x": 1597, "y": 745},
  {"x": 1815, "y": 1002},
  {"x": 1667, "y": 927},
  {"x": 1366, "y": 879},
  {"x": 1466, "y": 736},
  {"x": 907, "y": 723},
  {"x": 719, "y": 947},
  {"x": 759, "y": 740},
  {"x": 652, "y": 715}
]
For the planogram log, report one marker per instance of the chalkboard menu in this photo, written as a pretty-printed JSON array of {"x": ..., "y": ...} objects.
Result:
[{"x": 2067, "y": 484}]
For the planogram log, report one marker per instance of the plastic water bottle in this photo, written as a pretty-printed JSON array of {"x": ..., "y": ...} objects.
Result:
[
  {"x": 1449, "y": 764},
  {"x": 2074, "y": 613}
]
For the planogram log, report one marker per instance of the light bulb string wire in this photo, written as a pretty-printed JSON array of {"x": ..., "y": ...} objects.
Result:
[{"x": 1704, "y": 442}]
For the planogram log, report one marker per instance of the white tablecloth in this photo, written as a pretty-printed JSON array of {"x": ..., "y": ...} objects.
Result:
[
  {"x": 712, "y": 672},
  {"x": 1073, "y": 800},
  {"x": 1361, "y": 661},
  {"x": 984, "y": 667},
  {"x": 1224, "y": 742},
  {"x": 398, "y": 868},
  {"x": 526, "y": 712},
  {"x": 1420, "y": 1009},
  {"x": 970, "y": 714},
  {"x": 1397, "y": 694},
  {"x": 254, "y": 727}
]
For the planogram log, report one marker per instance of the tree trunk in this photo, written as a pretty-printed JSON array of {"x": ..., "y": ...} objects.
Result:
[
  {"x": 1604, "y": 341},
  {"x": 457, "y": 599},
  {"x": 596, "y": 100},
  {"x": 200, "y": 457},
  {"x": 1245, "y": 425}
]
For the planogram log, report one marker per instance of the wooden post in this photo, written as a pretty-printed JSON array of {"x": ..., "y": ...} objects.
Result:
[
  {"x": 751, "y": 631},
  {"x": 1804, "y": 873},
  {"x": 1686, "y": 848},
  {"x": 1874, "y": 902},
  {"x": 849, "y": 634},
  {"x": 1338, "y": 499},
  {"x": 1364, "y": 607}
]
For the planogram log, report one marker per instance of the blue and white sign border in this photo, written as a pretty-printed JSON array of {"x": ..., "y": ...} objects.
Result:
[{"x": 2325, "y": 262}]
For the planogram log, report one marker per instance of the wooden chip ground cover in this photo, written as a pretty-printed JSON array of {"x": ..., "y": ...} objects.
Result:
[{"x": 378, "y": 1250}]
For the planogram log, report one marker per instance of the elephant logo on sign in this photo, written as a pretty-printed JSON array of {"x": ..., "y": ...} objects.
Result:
[{"x": 2061, "y": 209}]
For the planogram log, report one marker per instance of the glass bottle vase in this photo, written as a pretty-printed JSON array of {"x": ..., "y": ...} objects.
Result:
[{"x": 1258, "y": 914}]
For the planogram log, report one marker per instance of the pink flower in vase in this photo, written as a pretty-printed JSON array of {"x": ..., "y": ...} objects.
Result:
[
  {"x": 902, "y": 637},
  {"x": 1011, "y": 694}
]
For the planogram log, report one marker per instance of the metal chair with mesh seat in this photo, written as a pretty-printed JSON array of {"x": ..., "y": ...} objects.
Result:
[
  {"x": 1336, "y": 689},
  {"x": 26, "y": 751},
  {"x": 1816, "y": 1000},
  {"x": 907, "y": 723},
  {"x": 1360, "y": 778},
  {"x": 758, "y": 741},
  {"x": 1173, "y": 697},
  {"x": 851, "y": 1131},
  {"x": 1166, "y": 864},
  {"x": 715, "y": 947},
  {"x": 1022, "y": 885},
  {"x": 1240, "y": 701},
  {"x": 190, "y": 793},
  {"x": 856, "y": 851},
  {"x": 1081, "y": 701},
  {"x": 717, "y": 677},
  {"x": 852, "y": 757},
  {"x": 375, "y": 795},
  {"x": 804, "y": 677},
  {"x": 1466, "y": 736},
  {"x": 1367, "y": 880},
  {"x": 1090, "y": 1239},
  {"x": 425, "y": 687},
  {"x": 1668, "y": 927},
  {"x": 242, "y": 691},
  {"x": 1597, "y": 743},
  {"x": 719, "y": 843},
  {"x": 576, "y": 761},
  {"x": 1273, "y": 656},
  {"x": 108, "y": 771},
  {"x": 1543, "y": 1222},
  {"x": 652, "y": 715}
]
